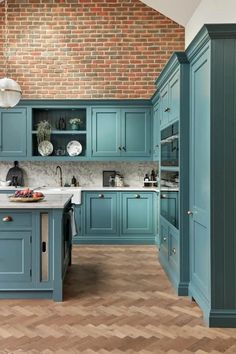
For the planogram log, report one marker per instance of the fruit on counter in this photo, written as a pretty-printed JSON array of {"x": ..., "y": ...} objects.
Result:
[{"x": 28, "y": 193}]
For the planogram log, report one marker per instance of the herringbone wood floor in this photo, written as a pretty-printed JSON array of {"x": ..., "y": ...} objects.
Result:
[{"x": 117, "y": 300}]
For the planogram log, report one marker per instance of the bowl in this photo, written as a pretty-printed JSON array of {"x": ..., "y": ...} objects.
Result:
[{"x": 5, "y": 183}]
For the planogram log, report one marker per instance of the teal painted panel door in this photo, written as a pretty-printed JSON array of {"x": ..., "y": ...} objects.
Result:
[
  {"x": 106, "y": 132},
  {"x": 174, "y": 97},
  {"x": 200, "y": 177},
  {"x": 137, "y": 213},
  {"x": 156, "y": 132},
  {"x": 136, "y": 132},
  {"x": 15, "y": 256},
  {"x": 13, "y": 132},
  {"x": 101, "y": 213}
]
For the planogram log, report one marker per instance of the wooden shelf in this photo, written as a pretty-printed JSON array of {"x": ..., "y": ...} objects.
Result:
[{"x": 65, "y": 132}]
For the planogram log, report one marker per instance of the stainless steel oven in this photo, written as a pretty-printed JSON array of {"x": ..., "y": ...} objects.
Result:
[
  {"x": 170, "y": 145},
  {"x": 169, "y": 206}
]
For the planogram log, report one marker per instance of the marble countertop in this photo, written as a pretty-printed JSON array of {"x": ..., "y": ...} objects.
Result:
[{"x": 52, "y": 201}]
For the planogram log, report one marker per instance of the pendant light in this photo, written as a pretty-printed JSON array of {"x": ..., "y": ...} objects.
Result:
[{"x": 10, "y": 91}]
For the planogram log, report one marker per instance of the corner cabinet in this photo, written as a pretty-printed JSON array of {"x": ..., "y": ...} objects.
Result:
[
  {"x": 116, "y": 217},
  {"x": 13, "y": 133},
  {"x": 121, "y": 132}
]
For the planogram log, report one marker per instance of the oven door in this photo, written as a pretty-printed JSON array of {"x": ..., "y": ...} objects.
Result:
[
  {"x": 169, "y": 207},
  {"x": 170, "y": 146}
]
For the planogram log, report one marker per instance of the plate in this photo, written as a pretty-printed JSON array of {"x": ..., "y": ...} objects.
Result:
[
  {"x": 74, "y": 148},
  {"x": 12, "y": 198},
  {"x": 45, "y": 148}
]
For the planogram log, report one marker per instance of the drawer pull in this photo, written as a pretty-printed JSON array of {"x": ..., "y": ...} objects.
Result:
[
  {"x": 167, "y": 109},
  {"x": 137, "y": 196},
  {"x": 101, "y": 196},
  {"x": 7, "y": 219},
  {"x": 164, "y": 239},
  {"x": 173, "y": 251}
]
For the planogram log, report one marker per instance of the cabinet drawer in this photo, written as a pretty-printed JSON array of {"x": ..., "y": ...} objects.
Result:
[
  {"x": 173, "y": 249},
  {"x": 164, "y": 238},
  {"x": 15, "y": 220}
]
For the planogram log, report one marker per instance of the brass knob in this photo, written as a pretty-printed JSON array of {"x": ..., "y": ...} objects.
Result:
[
  {"x": 100, "y": 196},
  {"x": 167, "y": 109},
  {"x": 189, "y": 212},
  {"x": 137, "y": 195},
  {"x": 173, "y": 251},
  {"x": 163, "y": 196},
  {"x": 164, "y": 239},
  {"x": 7, "y": 219}
]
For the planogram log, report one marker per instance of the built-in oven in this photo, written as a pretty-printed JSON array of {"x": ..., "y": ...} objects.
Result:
[
  {"x": 170, "y": 145},
  {"x": 169, "y": 206}
]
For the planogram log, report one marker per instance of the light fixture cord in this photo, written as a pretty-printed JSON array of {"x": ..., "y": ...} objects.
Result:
[{"x": 6, "y": 39}]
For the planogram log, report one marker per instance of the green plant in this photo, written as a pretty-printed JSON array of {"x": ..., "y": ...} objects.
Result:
[
  {"x": 75, "y": 121},
  {"x": 43, "y": 131}
]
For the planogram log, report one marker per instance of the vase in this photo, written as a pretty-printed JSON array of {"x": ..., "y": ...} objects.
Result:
[{"x": 74, "y": 126}]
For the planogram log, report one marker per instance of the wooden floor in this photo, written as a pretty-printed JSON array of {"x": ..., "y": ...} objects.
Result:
[{"x": 117, "y": 300}]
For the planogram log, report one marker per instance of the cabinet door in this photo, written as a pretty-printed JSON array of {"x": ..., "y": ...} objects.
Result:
[
  {"x": 15, "y": 256},
  {"x": 174, "y": 249},
  {"x": 164, "y": 118},
  {"x": 200, "y": 176},
  {"x": 106, "y": 132},
  {"x": 156, "y": 132},
  {"x": 137, "y": 213},
  {"x": 174, "y": 97},
  {"x": 136, "y": 132},
  {"x": 13, "y": 132},
  {"x": 101, "y": 213}
]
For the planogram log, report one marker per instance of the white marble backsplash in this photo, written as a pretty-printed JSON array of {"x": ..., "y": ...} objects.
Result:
[{"x": 88, "y": 173}]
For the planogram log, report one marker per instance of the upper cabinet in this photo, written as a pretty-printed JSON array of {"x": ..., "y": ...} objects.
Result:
[
  {"x": 13, "y": 133},
  {"x": 170, "y": 84},
  {"x": 121, "y": 132}
]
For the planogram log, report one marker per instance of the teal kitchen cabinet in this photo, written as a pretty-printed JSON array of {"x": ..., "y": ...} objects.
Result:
[
  {"x": 171, "y": 84},
  {"x": 117, "y": 217},
  {"x": 101, "y": 213},
  {"x": 13, "y": 133},
  {"x": 15, "y": 256},
  {"x": 121, "y": 132},
  {"x": 137, "y": 213},
  {"x": 212, "y": 201},
  {"x": 156, "y": 127},
  {"x": 164, "y": 241}
]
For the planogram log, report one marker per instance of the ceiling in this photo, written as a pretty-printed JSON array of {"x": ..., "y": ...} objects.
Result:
[{"x": 179, "y": 11}]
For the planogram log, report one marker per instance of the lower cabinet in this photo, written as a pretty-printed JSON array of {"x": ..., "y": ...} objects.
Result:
[
  {"x": 169, "y": 255},
  {"x": 117, "y": 218}
]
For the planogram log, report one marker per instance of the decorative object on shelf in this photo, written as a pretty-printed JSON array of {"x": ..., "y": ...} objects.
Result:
[
  {"x": 61, "y": 124},
  {"x": 45, "y": 148},
  {"x": 74, "y": 148},
  {"x": 75, "y": 123},
  {"x": 10, "y": 90},
  {"x": 60, "y": 151},
  {"x": 43, "y": 131}
]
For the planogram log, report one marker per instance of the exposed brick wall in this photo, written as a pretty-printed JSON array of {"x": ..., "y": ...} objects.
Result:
[{"x": 87, "y": 48}]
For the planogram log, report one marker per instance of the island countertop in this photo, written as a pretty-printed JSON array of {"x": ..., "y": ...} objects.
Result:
[{"x": 53, "y": 201}]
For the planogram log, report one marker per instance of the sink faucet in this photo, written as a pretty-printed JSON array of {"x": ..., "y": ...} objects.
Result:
[{"x": 60, "y": 174}]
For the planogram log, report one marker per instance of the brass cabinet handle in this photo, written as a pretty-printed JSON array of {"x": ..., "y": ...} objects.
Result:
[
  {"x": 164, "y": 196},
  {"x": 167, "y": 109},
  {"x": 100, "y": 196},
  {"x": 173, "y": 251},
  {"x": 124, "y": 148},
  {"x": 190, "y": 213},
  {"x": 164, "y": 239},
  {"x": 7, "y": 218},
  {"x": 120, "y": 148},
  {"x": 137, "y": 195}
]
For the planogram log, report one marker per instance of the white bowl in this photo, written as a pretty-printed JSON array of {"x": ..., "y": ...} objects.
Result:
[{"x": 5, "y": 183}]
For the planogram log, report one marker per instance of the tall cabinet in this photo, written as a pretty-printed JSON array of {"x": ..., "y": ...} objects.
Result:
[{"x": 212, "y": 203}]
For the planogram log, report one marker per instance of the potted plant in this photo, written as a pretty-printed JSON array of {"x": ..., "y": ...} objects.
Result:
[
  {"x": 74, "y": 123},
  {"x": 43, "y": 131}
]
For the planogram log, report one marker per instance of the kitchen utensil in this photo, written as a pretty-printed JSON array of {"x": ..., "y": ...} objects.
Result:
[
  {"x": 15, "y": 175},
  {"x": 74, "y": 148},
  {"x": 45, "y": 148}
]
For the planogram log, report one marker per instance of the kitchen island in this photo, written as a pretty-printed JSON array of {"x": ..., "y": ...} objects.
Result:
[{"x": 35, "y": 247}]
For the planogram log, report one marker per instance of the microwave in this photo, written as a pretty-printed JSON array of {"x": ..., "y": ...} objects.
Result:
[{"x": 170, "y": 145}]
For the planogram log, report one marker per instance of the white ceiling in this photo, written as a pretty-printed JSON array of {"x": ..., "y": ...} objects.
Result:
[{"x": 179, "y": 11}]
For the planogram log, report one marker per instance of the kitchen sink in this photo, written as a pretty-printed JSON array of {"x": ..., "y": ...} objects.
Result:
[{"x": 76, "y": 191}]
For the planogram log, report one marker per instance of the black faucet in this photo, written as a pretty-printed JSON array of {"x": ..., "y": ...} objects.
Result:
[{"x": 60, "y": 174}]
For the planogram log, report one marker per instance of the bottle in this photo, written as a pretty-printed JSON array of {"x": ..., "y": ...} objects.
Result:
[
  {"x": 146, "y": 179},
  {"x": 73, "y": 182},
  {"x": 153, "y": 176}
]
